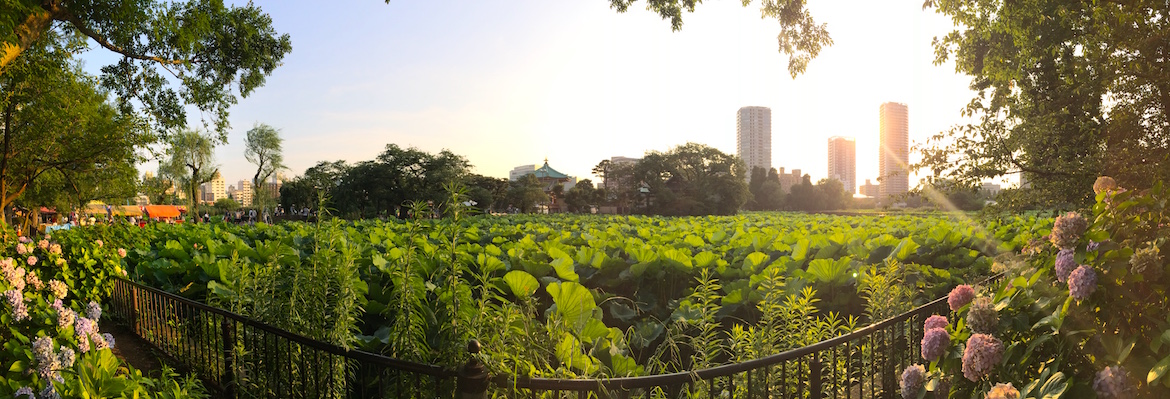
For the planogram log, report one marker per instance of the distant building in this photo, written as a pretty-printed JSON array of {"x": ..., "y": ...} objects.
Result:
[
  {"x": 753, "y": 137},
  {"x": 869, "y": 189},
  {"x": 843, "y": 162},
  {"x": 611, "y": 183},
  {"x": 787, "y": 180},
  {"x": 244, "y": 194},
  {"x": 894, "y": 155},
  {"x": 549, "y": 177},
  {"x": 520, "y": 171},
  {"x": 989, "y": 190},
  {"x": 213, "y": 190}
]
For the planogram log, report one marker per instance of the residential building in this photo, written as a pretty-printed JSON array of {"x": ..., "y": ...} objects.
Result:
[
  {"x": 843, "y": 162},
  {"x": 244, "y": 194},
  {"x": 213, "y": 190},
  {"x": 520, "y": 171},
  {"x": 894, "y": 155},
  {"x": 989, "y": 190},
  {"x": 869, "y": 189},
  {"x": 753, "y": 137},
  {"x": 612, "y": 183}
]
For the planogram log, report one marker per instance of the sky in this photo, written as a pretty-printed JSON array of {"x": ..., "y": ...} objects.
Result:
[{"x": 509, "y": 83}]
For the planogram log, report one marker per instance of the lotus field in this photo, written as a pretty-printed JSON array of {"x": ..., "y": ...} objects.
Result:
[{"x": 567, "y": 296}]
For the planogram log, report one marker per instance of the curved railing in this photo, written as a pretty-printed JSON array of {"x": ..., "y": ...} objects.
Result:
[{"x": 238, "y": 354}]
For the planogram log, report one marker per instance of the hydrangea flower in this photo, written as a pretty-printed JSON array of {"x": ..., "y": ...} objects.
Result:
[
  {"x": 935, "y": 321},
  {"x": 83, "y": 328},
  {"x": 1068, "y": 229},
  {"x": 66, "y": 357},
  {"x": 982, "y": 317},
  {"x": 55, "y": 249},
  {"x": 49, "y": 393},
  {"x": 1003, "y": 391},
  {"x": 1082, "y": 282},
  {"x": 109, "y": 338},
  {"x": 45, "y": 357},
  {"x": 99, "y": 243},
  {"x": 1147, "y": 262},
  {"x": 32, "y": 279},
  {"x": 913, "y": 379},
  {"x": 122, "y": 252},
  {"x": 934, "y": 343},
  {"x": 20, "y": 249},
  {"x": 66, "y": 318},
  {"x": 43, "y": 244},
  {"x": 14, "y": 275},
  {"x": 32, "y": 260},
  {"x": 1104, "y": 183},
  {"x": 99, "y": 342},
  {"x": 1065, "y": 263},
  {"x": 982, "y": 354},
  {"x": 60, "y": 290},
  {"x": 23, "y": 239},
  {"x": 1112, "y": 383},
  {"x": 24, "y": 391},
  {"x": 960, "y": 296},
  {"x": 1093, "y": 246},
  {"x": 93, "y": 311},
  {"x": 15, "y": 298}
]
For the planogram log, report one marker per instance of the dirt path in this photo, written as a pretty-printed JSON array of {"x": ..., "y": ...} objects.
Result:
[{"x": 132, "y": 349}]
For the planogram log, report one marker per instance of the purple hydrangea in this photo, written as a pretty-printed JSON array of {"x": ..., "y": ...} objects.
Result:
[
  {"x": 960, "y": 296},
  {"x": 1068, "y": 229},
  {"x": 43, "y": 244},
  {"x": 93, "y": 311},
  {"x": 935, "y": 321},
  {"x": 1065, "y": 263},
  {"x": 934, "y": 343},
  {"x": 1003, "y": 391},
  {"x": 49, "y": 392},
  {"x": 66, "y": 357},
  {"x": 1082, "y": 282},
  {"x": 45, "y": 357},
  {"x": 982, "y": 317},
  {"x": 32, "y": 260},
  {"x": 1093, "y": 246},
  {"x": 913, "y": 379},
  {"x": 23, "y": 239},
  {"x": 15, "y": 298},
  {"x": 24, "y": 391},
  {"x": 99, "y": 342},
  {"x": 1112, "y": 383},
  {"x": 982, "y": 354},
  {"x": 14, "y": 275},
  {"x": 109, "y": 338},
  {"x": 83, "y": 328},
  {"x": 20, "y": 249}
]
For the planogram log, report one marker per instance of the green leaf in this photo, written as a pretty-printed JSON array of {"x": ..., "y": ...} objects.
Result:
[
  {"x": 564, "y": 269},
  {"x": 573, "y": 302},
  {"x": 18, "y": 367},
  {"x": 753, "y": 261},
  {"x": 1158, "y": 370},
  {"x": 522, "y": 284}
]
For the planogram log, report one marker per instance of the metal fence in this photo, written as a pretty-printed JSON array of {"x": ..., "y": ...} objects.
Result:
[{"x": 246, "y": 358}]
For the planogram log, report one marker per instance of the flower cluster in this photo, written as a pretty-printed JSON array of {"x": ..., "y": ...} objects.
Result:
[
  {"x": 14, "y": 275},
  {"x": 1003, "y": 391},
  {"x": 934, "y": 343},
  {"x": 933, "y": 322},
  {"x": 913, "y": 379},
  {"x": 32, "y": 279},
  {"x": 65, "y": 316},
  {"x": 960, "y": 296},
  {"x": 983, "y": 352},
  {"x": 93, "y": 311},
  {"x": 85, "y": 329},
  {"x": 46, "y": 358},
  {"x": 122, "y": 252},
  {"x": 55, "y": 249},
  {"x": 59, "y": 289},
  {"x": 1082, "y": 282},
  {"x": 15, "y": 298},
  {"x": 1104, "y": 183},
  {"x": 1146, "y": 262},
  {"x": 1112, "y": 383},
  {"x": 982, "y": 317},
  {"x": 1068, "y": 229},
  {"x": 1065, "y": 263}
]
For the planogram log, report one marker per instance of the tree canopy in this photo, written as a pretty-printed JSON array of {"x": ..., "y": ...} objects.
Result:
[
  {"x": 207, "y": 48},
  {"x": 191, "y": 161},
  {"x": 1065, "y": 92},
  {"x": 691, "y": 179},
  {"x": 262, "y": 147}
]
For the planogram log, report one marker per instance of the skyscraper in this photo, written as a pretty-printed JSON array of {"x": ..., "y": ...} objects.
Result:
[
  {"x": 894, "y": 156},
  {"x": 843, "y": 162},
  {"x": 753, "y": 137}
]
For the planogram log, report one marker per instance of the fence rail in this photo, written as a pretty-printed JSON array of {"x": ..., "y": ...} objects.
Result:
[{"x": 247, "y": 358}]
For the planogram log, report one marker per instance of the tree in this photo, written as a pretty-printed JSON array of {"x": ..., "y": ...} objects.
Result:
[
  {"x": 1060, "y": 100},
  {"x": 800, "y": 36},
  {"x": 691, "y": 179},
  {"x": 322, "y": 178},
  {"x": 581, "y": 197},
  {"x": 58, "y": 125},
  {"x": 487, "y": 192},
  {"x": 155, "y": 188},
  {"x": 805, "y": 196},
  {"x": 191, "y": 161},
  {"x": 206, "y": 47},
  {"x": 262, "y": 147},
  {"x": 526, "y": 192},
  {"x": 224, "y": 205},
  {"x": 766, "y": 192}
]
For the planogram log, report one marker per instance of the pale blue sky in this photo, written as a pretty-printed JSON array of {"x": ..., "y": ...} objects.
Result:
[{"x": 510, "y": 82}]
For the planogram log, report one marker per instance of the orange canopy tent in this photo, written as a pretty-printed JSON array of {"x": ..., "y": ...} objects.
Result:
[{"x": 162, "y": 211}]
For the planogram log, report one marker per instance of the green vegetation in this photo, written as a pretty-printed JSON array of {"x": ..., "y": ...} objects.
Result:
[{"x": 577, "y": 295}]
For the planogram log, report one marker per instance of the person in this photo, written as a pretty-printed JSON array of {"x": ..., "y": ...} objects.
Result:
[
  {"x": 133, "y": 221},
  {"x": 206, "y": 217}
]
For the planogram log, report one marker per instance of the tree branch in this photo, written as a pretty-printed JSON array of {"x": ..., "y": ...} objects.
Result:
[{"x": 64, "y": 15}]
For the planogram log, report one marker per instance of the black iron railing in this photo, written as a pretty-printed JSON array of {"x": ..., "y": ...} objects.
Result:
[{"x": 247, "y": 358}]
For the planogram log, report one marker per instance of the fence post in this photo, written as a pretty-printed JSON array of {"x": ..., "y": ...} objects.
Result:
[
  {"x": 229, "y": 354},
  {"x": 815, "y": 369},
  {"x": 472, "y": 382}
]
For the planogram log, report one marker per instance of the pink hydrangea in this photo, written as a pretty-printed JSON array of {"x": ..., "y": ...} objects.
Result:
[
  {"x": 1068, "y": 229},
  {"x": 960, "y": 296},
  {"x": 99, "y": 243},
  {"x": 1065, "y": 263},
  {"x": 32, "y": 260},
  {"x": 913, "y": 379},
  {"x": 20, "y": 249},
  {"x": 1082, "y": 282},
  {"x": 1003, "y": 391},
  {"x": 983, "y": 353},
  {"x": 122, "y": 252},
  {"x": 935, "y": 321},
  {"x": 43, "y": 244},
  {"x": 55, "y": 249},
  {"x": 934, "y": 343}
]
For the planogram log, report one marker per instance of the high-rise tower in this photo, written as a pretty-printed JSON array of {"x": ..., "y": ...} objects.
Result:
[
  {"x": 753, "y": 137},
  {"x": 893, "y": 160},
  {"x": 843, "y": 162}
]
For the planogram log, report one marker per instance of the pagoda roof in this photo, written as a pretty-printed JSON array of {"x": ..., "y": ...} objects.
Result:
[{"x": 548, "y": 172}]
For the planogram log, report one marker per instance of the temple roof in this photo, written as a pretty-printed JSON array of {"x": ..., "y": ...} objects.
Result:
[{"x": 548, "y": 172}]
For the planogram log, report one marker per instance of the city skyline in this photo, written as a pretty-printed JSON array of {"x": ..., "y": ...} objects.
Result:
[
  {"x": 576, "y": 82},
  {"x": 894, "y": 150},
  {"x": 843, "y": 162},
  {"x": 753, "y": 137}
]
